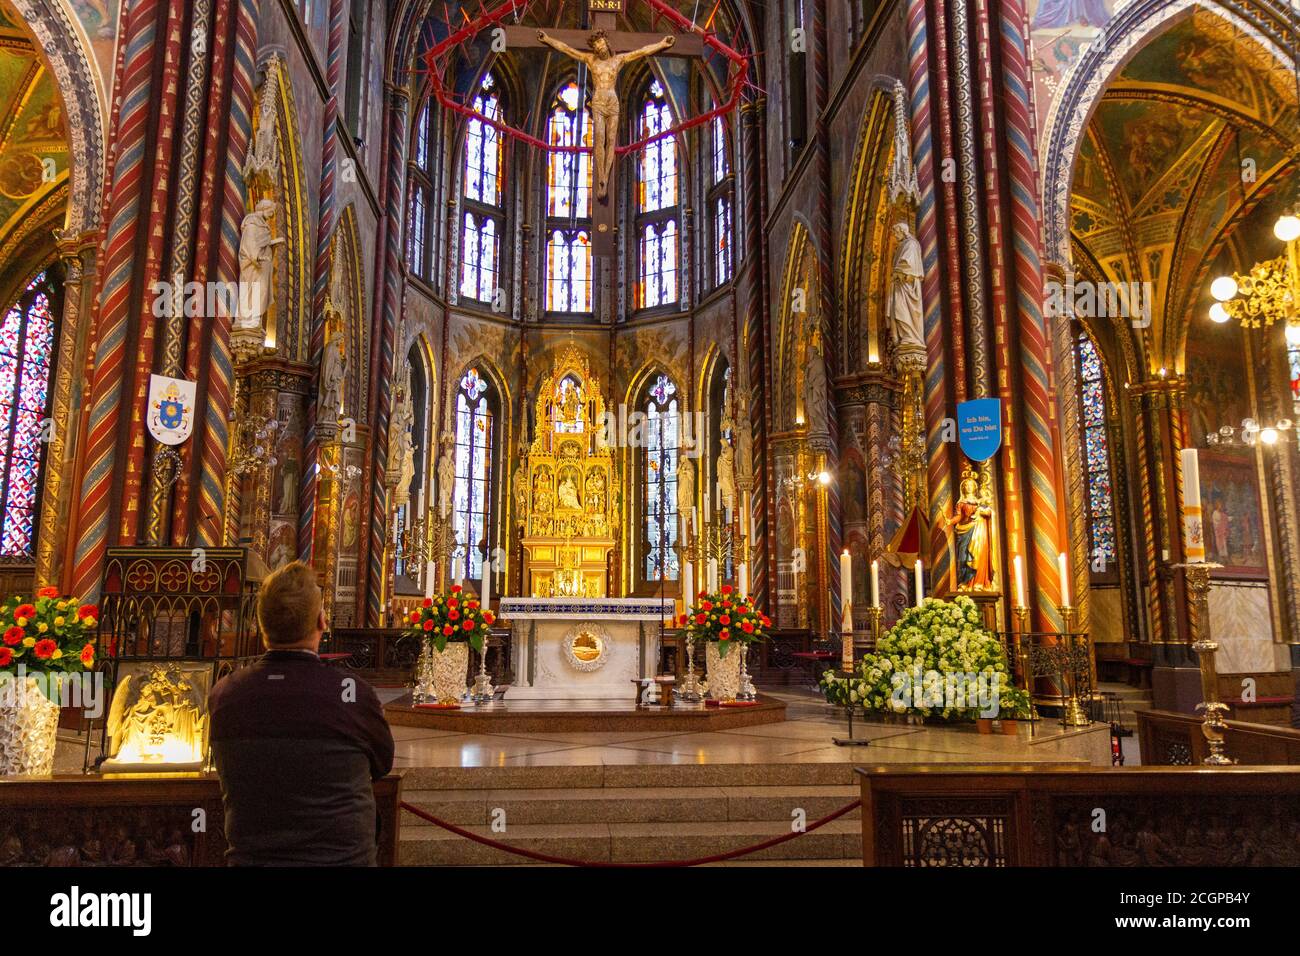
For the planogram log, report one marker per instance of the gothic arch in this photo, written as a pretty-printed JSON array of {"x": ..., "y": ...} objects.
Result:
[
  {"x": 1070, "y": 112},
  {"x": 61, "y": 42},
  {"x": 347, "y": 247},
  {"x": 799, "y": 306}
]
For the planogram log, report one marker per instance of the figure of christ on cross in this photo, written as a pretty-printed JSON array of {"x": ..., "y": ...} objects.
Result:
[{"x": 603, "y": 64}]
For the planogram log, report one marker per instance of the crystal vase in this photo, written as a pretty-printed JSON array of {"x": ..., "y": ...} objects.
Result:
[{"x": 29, "y": 724}]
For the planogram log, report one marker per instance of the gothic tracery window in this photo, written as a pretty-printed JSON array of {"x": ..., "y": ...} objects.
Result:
[
  {"x": 419, "y": 220},
  {"x": 659, "y": 481},
  {"x": 657, "y": 202},
  {"x": 26, "y": 355},
  {"x": 1096, "y": 446},
  {"x": 568, "y": 205},
  {"x": 720, "y": 193},
  {"x": 472, "y": 496},
  {"x": 481, "y": 225}
]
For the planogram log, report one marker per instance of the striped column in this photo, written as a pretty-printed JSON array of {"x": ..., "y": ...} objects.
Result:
[
  {"x": 1040, "y": 427},
  {"x": 326, "y": 224},
  {"x": 135, "y": 85}
]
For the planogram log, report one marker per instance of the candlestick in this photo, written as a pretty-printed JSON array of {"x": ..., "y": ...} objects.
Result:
[
  {"x": 920, "y": 588},
  {"x": 846, "y": 592},
  {"x": 1065, "y": 580},
  {"x": 1193, "y": 527},
  {"x": 1020, "y": 580}
]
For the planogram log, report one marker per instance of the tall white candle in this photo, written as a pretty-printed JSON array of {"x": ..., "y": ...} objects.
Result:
[
  {"x": 846, "y": 591},
  {"x": 920, "y": 587},
  {"x": 713, "y": 575},
  {"x": 1065, "y": 579},
  {"x": 875, "y": 584},
  {"x": 688, "y": 589},
  {"x": 1193, "y": 522},
  {"x": 1019, "y": 563},
  {"x": 695, "y": 518},
  {"x": 706, "y": 508},
  {"x": 742, "y": 578},
  {"x": 485, "y": 588}
]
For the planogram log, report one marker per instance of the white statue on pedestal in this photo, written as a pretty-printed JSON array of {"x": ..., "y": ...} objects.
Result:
[
  {"x": 255, "y": 265},
  {"x": 685, "y": 488},
  {"x": 446, "y": 475},
  {"x": 814, "y": 392},
  {"x": 401, "y": 447},
  {"x": 906, "y": 316},
  {"x": 727, "y": 474}
]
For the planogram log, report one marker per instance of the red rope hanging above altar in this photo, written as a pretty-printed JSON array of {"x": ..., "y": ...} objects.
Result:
[{"x": 432, "y": 68}]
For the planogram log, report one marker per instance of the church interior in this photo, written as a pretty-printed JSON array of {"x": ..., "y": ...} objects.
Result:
[{"x": 881, "y": 412}]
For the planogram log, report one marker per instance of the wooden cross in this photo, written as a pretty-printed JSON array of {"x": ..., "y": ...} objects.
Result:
[{"x": 603, "y": 15}]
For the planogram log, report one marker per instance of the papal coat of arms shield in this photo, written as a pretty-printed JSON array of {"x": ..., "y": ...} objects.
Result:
[{"x": 171, "y": 409}]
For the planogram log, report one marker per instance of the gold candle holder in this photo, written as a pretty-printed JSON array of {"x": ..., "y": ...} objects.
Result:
[
  {"x": 1197, "y": 578},
  {"x": 875, "y": 616},
  {"x": 1073, "y": 714},
  {"x": 846, "y": 636},
  {"x": 1021, "y": 616}
]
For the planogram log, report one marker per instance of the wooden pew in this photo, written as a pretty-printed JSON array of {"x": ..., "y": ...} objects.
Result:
[
  {"x": 1035, "y": 815},
  {"x": 76, "y": 820}
]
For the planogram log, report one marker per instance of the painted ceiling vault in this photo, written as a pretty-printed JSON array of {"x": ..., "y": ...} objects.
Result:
[
  {"x": 1184, "y": 144},
  {"x": 34, "y": 152}
]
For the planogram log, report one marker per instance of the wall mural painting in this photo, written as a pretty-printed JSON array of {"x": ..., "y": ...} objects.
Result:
[
  {"x": 1060, "y": 31},
  {"x": 1217, "y": 392},
  {"x": 1234, "y": 526}
]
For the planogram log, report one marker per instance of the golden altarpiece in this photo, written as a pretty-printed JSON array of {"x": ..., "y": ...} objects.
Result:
[{"x": 570, "y": 514}]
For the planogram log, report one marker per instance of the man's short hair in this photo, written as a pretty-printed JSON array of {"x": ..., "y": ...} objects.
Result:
[{"x": 288, "y": 605}]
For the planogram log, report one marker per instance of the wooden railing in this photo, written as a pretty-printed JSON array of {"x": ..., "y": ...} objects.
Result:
[
  {"x": 1045, "y": 815},
  {"x": 161, "y": 820},
  {"x": 1169, "y": 739}
]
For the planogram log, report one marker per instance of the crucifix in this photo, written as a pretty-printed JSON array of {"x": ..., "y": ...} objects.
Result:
[{"x": 604, "y": 50}]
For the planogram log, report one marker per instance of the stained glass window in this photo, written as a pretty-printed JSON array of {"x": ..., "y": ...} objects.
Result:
[
  {"x": 568, "y": 271},
  {"x": 481, "y": 225},
  {"x": 483, "y": 148},
  {"x": 658, "y": 185},
  {"x": 419, "y": 247},
  {"x": 1092, "y": 405},
  {"x": 472, "y": 495},
  {"x": 656, "y": 204},
  {"x": 478, "y": 257},
  {"x": 720, "y": 202},
  {"x": 1293, "y": 357},
  {"x": 26, "y": 353},
  {"x": 569, "y": 174},
  {"x": 659, "y": 488}
]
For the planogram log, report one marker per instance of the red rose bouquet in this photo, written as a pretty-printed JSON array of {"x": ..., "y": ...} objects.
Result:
[
  {"x": 455, "y": 616},
  {"x": 51, "y": 634},
  {"x": 726, "y": 617}
]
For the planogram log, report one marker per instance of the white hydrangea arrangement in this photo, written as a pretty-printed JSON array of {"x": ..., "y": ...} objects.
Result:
[{"x": 920, "y": 659}]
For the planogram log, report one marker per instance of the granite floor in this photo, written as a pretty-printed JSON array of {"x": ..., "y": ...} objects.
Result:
[{"x": 805, "y": 737}]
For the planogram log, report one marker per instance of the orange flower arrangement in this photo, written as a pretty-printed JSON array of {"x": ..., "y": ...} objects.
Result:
[
  {"x": 455, "y": 616},
  {"x": 50, "y": 634}
]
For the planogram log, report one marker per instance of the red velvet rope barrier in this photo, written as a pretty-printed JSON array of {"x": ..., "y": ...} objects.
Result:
[
  {"x": 499, "y": 13},
  {"x": 566, "y": 861}
]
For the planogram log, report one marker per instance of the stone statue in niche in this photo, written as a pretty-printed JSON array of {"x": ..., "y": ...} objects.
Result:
[
  {"x": 401, "y": 447},
  {"x": 685, "y": 487},
  {"x": 256, "y": 245},
  {"x": 815, "y": 396},
  {"x": 906, "y": 316},
  {"x": 519, "y": 486},
  {"x": 727, "y": 474},
  {"x": 446, "y": 475}
]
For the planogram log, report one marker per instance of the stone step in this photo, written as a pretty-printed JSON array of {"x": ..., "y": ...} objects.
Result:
[
  {"x": 630, "y": 842},
  {"x": 627, "y": 804},
  {"x": 415, "y": 779}
]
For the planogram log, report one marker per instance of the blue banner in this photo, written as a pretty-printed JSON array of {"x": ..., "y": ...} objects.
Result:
[{"x": 979, "y": 428}]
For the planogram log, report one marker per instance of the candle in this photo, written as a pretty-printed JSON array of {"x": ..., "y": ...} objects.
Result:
[
  {"x": 485, "y": 589},
  {"x": 713, "y": 575},
  {"x": 742, "y": 578},
  {"x": 1193, "y": 527},
  {"x": 706, "y": 509},
  {"x": 846, "y": 592},
  {"x": 1065, "y": 580},
  {"x": 875, "y": 584},
  {"x": 1019, "y": 563},
  {"x": 688, "y": 592},
  {"x": 695, "y": 518},
  {"x": 920, "y": 587}
]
